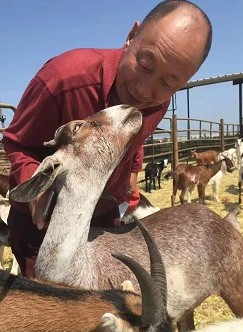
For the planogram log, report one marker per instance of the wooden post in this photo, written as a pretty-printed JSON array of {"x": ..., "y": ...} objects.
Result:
[
  {"x": 221, "y": 126},
  {"x": 174, "y": 142}
]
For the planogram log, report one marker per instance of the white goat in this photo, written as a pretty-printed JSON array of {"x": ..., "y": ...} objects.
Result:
[
  {"x": 239, "y": 150},
  {"x": 75, "y": 253},
  {"x": 231, "y": 154}
]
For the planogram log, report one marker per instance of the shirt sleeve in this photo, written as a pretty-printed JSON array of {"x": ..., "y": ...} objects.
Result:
[
  {"x": 34, "y": 122},
  {"x": 138, "y": 160}
]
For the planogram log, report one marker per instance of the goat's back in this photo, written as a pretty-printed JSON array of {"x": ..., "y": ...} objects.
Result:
[
  {"x": 206, "y": 157},
  {"x": 201, "y": 252}
]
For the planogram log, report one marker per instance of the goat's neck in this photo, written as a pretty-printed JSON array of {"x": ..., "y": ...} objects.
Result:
[
  {"x": 68, "y": 230},
  {"x": 214, "y": 168}
]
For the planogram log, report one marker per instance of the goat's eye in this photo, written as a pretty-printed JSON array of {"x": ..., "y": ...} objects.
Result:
[{"x": 76, "y": 128}]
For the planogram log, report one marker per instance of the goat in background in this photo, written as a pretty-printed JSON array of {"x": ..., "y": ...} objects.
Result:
[
  {"x": 231, "y": 154},
  {"x": 152, "y": 172},
  {"x": 206, "y": 157},
  {"x": 239, "y": 150},
  {"x": 215, "y": 180},
  {"x": 186, "y": 176}
]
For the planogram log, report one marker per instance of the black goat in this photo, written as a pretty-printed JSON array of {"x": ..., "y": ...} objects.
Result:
[{"x": 153, "y": 171}]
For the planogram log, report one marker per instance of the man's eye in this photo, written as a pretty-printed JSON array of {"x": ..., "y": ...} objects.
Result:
[
  {"x": 148, "y": 70},
  {"x": 164, "y": 83}
]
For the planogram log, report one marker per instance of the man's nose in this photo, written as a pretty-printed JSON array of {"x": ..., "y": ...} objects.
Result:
[{"x": 145, "y": 88}]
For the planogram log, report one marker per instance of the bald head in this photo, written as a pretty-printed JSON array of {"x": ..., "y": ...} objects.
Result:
[
  {"x": 163, "y": 53},
  {"x": 188, "y": 17}
]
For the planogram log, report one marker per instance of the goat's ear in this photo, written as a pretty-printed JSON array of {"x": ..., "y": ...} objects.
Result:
[{"x": 41, "y": 180}]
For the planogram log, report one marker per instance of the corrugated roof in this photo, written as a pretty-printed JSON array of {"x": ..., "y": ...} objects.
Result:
[{"x": 213, "y": 80}]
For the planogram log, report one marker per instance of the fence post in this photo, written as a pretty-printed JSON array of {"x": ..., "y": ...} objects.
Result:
[
  {"x": 174, "y": 142},
  {"x": 152, "y": 137},
  {"x": 221, "y": 126}
]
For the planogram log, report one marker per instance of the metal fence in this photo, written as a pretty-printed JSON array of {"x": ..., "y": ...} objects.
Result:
[{"x": 182, "y": 135}]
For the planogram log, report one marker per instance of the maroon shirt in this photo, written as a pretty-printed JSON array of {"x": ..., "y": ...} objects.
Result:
[{"x": 71, "y": 86}]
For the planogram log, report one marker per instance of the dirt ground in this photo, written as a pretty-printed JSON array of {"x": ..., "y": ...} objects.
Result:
[{"x": 214, "y": 308}]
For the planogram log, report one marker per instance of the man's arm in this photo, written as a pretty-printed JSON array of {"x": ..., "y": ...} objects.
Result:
[
  {"x": 133, "y": 194},
  {"x": 34, "y": 122}
]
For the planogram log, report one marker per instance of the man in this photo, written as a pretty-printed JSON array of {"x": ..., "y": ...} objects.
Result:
[{"x": 158, "y": 58}]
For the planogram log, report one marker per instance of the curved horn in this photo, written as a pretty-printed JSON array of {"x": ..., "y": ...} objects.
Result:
[
  {"x": 157, "y": 267},
  {"x": 153, "y": 310}
]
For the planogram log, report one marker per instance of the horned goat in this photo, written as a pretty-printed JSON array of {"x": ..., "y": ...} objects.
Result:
[
  {"x": 75, "y": 253},
  {"x": 72, "y": 309},
  {"x": 186, "y": 176},
  {"x": 206, "y": 157}
]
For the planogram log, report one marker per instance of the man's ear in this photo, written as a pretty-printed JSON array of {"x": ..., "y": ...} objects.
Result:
[{"x": 132, "y": 34}]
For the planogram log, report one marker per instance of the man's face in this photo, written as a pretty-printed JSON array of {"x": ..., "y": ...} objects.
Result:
[{"x": 160, "y": 60}]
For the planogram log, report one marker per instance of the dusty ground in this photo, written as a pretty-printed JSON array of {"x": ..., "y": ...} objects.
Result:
[{"x": 214, "y": 308}]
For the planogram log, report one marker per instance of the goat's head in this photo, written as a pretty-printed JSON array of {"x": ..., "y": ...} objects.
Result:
[
  {"x": 193, "y": 153},
  {"x": 166, "y": 161},
  {"x": 238, "y": 142},
  {"x": 98, "y": 142},
  {"x": 229, "y": 165}
]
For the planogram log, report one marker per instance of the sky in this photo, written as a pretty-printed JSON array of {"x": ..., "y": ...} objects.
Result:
[{"x": 34, "y": 31}]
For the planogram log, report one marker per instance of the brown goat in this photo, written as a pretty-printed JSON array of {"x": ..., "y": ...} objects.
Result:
[
  {"x": 186, "y": 176},
  {"x": 67, "y": 309},
  {"x": 206, "y": 157}
]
